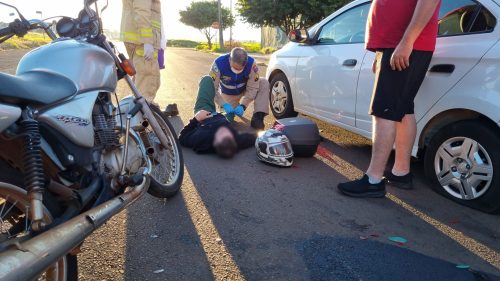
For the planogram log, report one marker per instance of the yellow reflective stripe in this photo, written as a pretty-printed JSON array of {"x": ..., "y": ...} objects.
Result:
[
  {"x": 130, "y": 33},
  {"x": 123, "y": 38},
  {"x": 129, "y": 36},
  {"x": 140, "y": 53},
  {"x": 146, "y": 32},
  {"x": 156, "y": 24}
]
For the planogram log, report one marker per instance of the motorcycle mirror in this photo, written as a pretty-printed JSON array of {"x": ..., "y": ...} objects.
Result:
[
  {"x": 23, "y": 19},
  {"x": 105, "y": 6}
]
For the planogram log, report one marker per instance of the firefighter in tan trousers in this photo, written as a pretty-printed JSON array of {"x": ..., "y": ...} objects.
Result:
[{"x": 141, "y": 31}]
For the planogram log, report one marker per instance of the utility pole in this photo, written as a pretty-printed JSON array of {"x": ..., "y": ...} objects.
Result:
[{"x": 221, "y": 27}]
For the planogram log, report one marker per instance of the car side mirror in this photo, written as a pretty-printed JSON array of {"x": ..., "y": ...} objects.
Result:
[{"x": 299, "y": 36}]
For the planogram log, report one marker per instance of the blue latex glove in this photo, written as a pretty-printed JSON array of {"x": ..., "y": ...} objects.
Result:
[
  {"x": 228, "y": 108},
  {"x": 239, "y": 110}
]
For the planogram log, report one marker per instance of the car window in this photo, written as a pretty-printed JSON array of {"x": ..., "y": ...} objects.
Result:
[
  {"x": 348, "y": 27},
  {"x": 458, "y": 17}
]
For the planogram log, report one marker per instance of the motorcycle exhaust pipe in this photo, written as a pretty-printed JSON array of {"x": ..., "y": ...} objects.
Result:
[
  {"x": 31, "y": 258},
  {"x": 150, "y": 151}
]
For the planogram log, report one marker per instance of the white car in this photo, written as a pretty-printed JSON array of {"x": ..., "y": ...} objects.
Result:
[{"x": 327, "y": 74}]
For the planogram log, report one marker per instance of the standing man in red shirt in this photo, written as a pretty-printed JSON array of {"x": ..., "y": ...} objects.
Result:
[{"x": 403, "y": 35}]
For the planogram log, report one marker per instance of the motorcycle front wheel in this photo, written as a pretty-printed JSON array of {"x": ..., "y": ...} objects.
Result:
[
  {"x": 15, "y": 227},
  {"x": 168, "y": 162}
]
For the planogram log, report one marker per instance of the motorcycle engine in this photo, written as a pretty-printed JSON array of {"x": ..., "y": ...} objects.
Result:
[{"x": 111, "y": 141}]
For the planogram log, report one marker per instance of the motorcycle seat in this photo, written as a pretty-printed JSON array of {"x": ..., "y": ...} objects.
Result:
[{"x": 35, "y": 88}]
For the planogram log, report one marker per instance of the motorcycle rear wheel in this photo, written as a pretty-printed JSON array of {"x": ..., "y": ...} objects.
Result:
[
  {"x": 168, "y": 163},
  {"x": 15, "y": 227}
]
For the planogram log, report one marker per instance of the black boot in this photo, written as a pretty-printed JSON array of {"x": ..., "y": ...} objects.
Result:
[
  {"x": 171, "y": 110},
  {"x": 258, "y": 120}
]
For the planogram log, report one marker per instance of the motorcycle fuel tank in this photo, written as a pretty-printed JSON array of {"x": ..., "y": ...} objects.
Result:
[{"x": 88, "y": 66}]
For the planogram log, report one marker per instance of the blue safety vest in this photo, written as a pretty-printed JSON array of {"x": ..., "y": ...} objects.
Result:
[{"x": 230, "y": 82}]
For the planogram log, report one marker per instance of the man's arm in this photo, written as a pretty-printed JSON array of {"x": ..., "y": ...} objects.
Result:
[
  {"x": 252, "y": 86},
  {"x": 215, "y": 74},
  {"x": 424, "y": 10}
]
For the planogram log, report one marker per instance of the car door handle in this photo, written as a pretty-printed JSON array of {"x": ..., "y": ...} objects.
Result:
[
  {"x": 351, "y": 62},
  {"x": 443, "y": 68}
]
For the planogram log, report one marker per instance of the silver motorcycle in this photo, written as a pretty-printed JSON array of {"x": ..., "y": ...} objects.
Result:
[{"x": 72, "y": 157}]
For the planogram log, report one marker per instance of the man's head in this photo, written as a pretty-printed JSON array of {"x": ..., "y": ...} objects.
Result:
[
  {"x": 238, "y": 59},
  {"x": 224, "y": 143}
]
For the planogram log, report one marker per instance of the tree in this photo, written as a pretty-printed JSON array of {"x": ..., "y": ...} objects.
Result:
[
  {"x": 287, "y": 15},
  {"x": 201, "y": 15}
]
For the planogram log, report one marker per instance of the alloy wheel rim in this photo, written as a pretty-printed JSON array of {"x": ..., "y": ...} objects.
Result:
[
  {"x": 463, "y": 168},
  {"x": 279, "y": 97}
]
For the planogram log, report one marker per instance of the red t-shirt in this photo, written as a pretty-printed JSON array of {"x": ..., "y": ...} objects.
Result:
[{"x": 388, "y": 21}]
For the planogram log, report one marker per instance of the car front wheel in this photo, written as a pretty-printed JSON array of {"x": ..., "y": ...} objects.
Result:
[
  {"x": 463, "y": 163},
  {"x": 281, "y": 97}
]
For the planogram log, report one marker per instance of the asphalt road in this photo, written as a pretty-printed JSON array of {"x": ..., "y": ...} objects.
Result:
[{"x": 240, "y": 219}]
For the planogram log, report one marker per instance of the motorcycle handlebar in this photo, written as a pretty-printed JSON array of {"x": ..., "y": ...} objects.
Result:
[{"x": 5, "y": 32}]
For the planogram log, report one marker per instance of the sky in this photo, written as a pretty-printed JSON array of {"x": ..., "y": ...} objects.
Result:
[{"x": 112, "y": 15}]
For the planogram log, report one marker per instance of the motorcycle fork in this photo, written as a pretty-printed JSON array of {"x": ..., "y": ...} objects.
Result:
[
  {"x": 147, "y": 112},
  {"x": 139, "y": 99}
]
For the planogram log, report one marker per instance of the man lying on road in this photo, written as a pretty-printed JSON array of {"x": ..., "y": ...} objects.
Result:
[{"x": 210, "y": 131}]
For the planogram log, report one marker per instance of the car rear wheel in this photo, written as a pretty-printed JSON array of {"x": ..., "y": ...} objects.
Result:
[
  {"x": 281, "y": 97},
  {"x": 463, "y": 163}
]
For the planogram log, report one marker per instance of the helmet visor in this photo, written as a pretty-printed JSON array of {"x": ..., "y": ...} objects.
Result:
[{"x": 280, "y": 149}]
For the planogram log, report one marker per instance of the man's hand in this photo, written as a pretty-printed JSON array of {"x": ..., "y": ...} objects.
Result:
[
  {"x": 239, "y": 110},
  {"x": 400, "y": 59},
  {"x": 228, "y": 108},
  {"x": 148, "y": 51},
  {"x": 202, "y": 115}
]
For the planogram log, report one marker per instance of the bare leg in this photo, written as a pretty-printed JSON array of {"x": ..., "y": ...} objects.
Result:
[
  {"x": 406, "y": 130},
  {"x": 384, "y": 133}
]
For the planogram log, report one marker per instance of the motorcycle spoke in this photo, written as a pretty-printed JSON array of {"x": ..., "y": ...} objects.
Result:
[
  {"x": 3, "y": 206},
  {"x": 2, "y": 217}
]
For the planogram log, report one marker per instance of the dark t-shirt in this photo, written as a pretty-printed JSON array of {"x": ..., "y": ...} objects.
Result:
[
  {"x": 388, "y": 21},
  {"x": 200, "y": 135}
]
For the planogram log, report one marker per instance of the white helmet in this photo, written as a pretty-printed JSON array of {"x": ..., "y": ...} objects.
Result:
[{"x": 274, "y": 147}]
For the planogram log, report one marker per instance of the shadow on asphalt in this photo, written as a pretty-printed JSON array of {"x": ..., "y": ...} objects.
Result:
[{"x": 340, "y": 258}]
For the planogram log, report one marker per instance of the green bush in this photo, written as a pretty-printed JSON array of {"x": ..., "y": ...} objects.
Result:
[
  {"x": 251, "y": 47},
  {"x": 182, "y": 43},
  {"x": 30, "y": 40}
]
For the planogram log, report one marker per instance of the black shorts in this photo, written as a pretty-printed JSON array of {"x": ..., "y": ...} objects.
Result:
[{"x": 394, "y": 91}]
